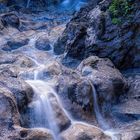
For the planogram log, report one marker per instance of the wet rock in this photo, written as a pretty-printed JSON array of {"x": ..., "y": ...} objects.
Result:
[
  {"x": 10, "y": 19},
  {"x": 34, "y": 134},
  {"x": 22, "y": 92},
  {"x": 44, "y": 72},
  {"x": 43, "y": 43},
  {"x": 9, "y": 114},
  {"x": 18, "y": 60},
  {"x": 91, "y": 32},
  {"x": 20, "y": 133},
  {"x": 76, "y": 94},
  {"x": 108, "y": 81},
  {"x": 24, "y": 62},
  {"x": 61, "y": 118},
  {"x": 130, "y": 131},
  {"x": 7, "y": 59},
  {"x": 84, "y": 132},
  {"x": 128, "y": 109},
  {"x": 134, "y": 89},
  {"x": 81, "y": 93},
  {"x": 13, "y": 45}
]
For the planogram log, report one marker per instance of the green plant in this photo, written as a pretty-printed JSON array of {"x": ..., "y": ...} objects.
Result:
[
  {"x": 119, "y": 8},
  {"x": 116, "y": 21}
]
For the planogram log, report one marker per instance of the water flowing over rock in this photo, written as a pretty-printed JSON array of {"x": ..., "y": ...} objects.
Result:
[
  {"x": 108, "y": 81},
  {"x": 54, "y": 110},
  {"x": 80, "y": 94}
]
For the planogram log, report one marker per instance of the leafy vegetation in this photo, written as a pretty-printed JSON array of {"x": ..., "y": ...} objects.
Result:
[{"x": 119, "y": 8}]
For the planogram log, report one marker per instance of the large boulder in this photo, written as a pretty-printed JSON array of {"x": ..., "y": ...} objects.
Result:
[
  {"x": 21, "y": 133},
  {"x": 93, "y": 76},
  {"x": 92, "y": 31},
  {"x": 107, "y": 80},
  {"x": 33, "y": 133},
  {"x": 75, "y": 93},
  {"x": 18, "y": 60},
  {"x": 22, "y": 92},
  {"x": 9, "y": 114},
  {"x": 43, "y": 43},
  {"x": 84, "y": 132}
]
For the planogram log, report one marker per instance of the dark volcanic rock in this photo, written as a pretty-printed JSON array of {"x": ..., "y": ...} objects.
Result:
[{"x": 91, "y": 32}]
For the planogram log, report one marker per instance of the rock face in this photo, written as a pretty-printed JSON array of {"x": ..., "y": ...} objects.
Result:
[
  {"x": 108, "y": 81},
  {"x": 25, "y": 39},
  {"x": 22, "y": 91},
  {"x": 9, "y": 114},
  {"x": 62, "y": 120},
  {"x": 34, "y": 134},
  {"x": 43, "y": 43},
  {"x": 10, "y": 19},
  {"x": 83, "y": 132},
  {"x": 94, "y": 74},
  {"x": 92, "y": 32},
  {"x": 13, "y": 45}
]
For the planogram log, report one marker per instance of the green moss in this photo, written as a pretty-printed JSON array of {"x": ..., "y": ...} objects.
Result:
[
  {"x": 119, "y": 8},
  {"x": 116, "y": 21}
]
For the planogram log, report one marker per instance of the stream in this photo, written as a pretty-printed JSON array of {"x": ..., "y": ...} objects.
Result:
[{"x": 46, "y": 102}]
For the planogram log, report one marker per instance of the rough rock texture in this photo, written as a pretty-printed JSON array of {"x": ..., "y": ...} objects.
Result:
[
  {"x": 22, "y": 92},
  {"x": 83, "y": 132},
  {"x": 128, "y": 110},
  {"x": 94, "y": 74},
  {"x": 91, "y": 32},
  {"x": 43, "y": 43},
  {"x": 130, "y": 131},
  {"x": 108, "y": 81},
  {"x": 62, "y": 120},
  {"x": 13, "y": 45},
  {"x": 34, "y": 133},
  {"x": 77, "y": 89},
  {"x": 19, "y": 133},
  {"x": 10, "y": 19},
  {"x": 9, "y": 114}
]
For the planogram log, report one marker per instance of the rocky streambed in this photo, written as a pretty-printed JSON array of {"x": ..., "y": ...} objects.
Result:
[{"x": 57, "y": 80}]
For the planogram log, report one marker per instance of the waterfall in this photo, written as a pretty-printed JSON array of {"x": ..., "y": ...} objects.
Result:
[
  {"x": 28, "y": 3},
  {"x": 99, "y": 117},
  {"x": 43, "y": 108}
]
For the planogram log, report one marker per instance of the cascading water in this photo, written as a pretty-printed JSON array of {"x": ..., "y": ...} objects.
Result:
[
  {"x": 98, "y": 114},
  {"x": 28, "y": 3},
  {"x": 45, "y": 102},
  {"x": 43, "y": 106},
  {"x": 44, "y": 113},
  {"x": 100, "y": 119}
]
